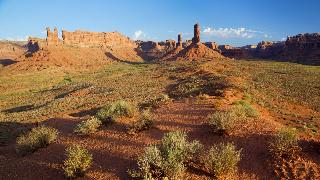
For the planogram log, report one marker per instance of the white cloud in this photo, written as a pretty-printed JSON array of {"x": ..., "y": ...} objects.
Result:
[
  {"x": 232, "y": 32},
  {"x": 138, "y": 35},
  {"x": 283, "y": 39}
]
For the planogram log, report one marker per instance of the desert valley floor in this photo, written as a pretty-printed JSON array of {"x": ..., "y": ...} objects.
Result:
[{"x": 279, "y": 94}]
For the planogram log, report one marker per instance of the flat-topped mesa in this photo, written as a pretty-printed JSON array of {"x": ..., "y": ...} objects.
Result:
[
  {"x": 52, "y": 37},
  {"x": 196, "y": 36},
  {"x": 179, "y": 44},
  {"x": 96, "y": 39}
]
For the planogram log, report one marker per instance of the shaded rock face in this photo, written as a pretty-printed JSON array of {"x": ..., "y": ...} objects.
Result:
[
  {"x": 179, "y": 44},
  {"x": 304, "y": 48},
  {"x": 196, "y": 34}
]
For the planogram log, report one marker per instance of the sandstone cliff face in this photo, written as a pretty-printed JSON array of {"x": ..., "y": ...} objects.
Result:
[{"x": 96, "y": 39}]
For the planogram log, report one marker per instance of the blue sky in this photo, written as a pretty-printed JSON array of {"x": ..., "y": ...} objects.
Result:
[{"x": 235, "y": 22}]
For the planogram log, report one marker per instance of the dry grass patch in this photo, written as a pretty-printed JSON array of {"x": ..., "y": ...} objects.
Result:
[
  {"x": 117, "y": 109},
  {"x": 88, "y": 126},
  {"x": 144, "y": 122}
]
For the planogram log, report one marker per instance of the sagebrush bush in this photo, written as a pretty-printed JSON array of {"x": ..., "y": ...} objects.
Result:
[
  {"x": 115, "y": 110},
  {"x": 285, "y": 142},
  {"x": 222, "y": 159},
  {"x": 222, "y": 122},
  {"x": 38, "y": 137},
  {"x": 144, "y": 122},
  {"x": 88, "y": 126},
  {"x": 249, "y": 110},
  {"x": 169, "y": 159},
  {"x": 77, "y": 162},
  {"x": 155, "y": 102}
]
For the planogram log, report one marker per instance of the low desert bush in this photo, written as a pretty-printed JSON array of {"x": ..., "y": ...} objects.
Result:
[
  {"x": 284, "y": 143},
  {"x": 144, "y": 122},
  {"x": 78, "y": 161},
  {"x": 38, "y": 137},
  {"x": 222, "y": 159},
  {"x": 249, "y": 110},
  {"x": 88, "y": 127},
  {"x": 155, "y": 102},
  {"x": 169, "y": 159},
  {"x": 222, "y": 122},
  {"x": 115, "y": 110}
]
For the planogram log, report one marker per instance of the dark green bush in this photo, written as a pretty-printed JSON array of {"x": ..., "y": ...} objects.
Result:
[
  {"x": 115, "y": 110},
  {"x": 38, "y": 137},
  {"x": 78, "y": 161}
]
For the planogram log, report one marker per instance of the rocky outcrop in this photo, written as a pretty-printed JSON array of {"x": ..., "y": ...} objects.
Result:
[
  {"x": 303, "y": 48},
  {"x": 52, "y": 37},
  {"x": 179, "y": 43},
  {"x": 196, "y": 34},
  {"x": 96, "y": 39},
  {"x": 194, "y": 51}
]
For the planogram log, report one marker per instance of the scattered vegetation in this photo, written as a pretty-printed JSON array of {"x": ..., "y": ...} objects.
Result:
[
  {"x": 249, "y": 110},
  {"x": 115, "y": 110},
  {"x": 78, "y": 161},
  {"x": 38, "y": 137},
  {"x": 285, "y": 142},
  {"x": 223, "y": 121},
  {"x": 168, "y": 160},
  {"x": 88, "y": 126},
  {"x": 144, "y": 122},
  {"x": 155, "y": 102},
  {"x": 196, "y": 85},
  {"x": 222, "y": 159}
]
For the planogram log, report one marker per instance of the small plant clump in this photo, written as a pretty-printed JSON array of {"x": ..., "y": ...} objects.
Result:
[
  {"x": 78, "y": 161},
  {"x": 38, "y": 137},
  {"x": 144, "y": 122},
  {"x": 222, "y": 122},
  {"x": 222, "y": 159},
  {"x": 249, "y": 110},
  {"x": 115, "y": 110},
  {"x": 285, "y": 142},
  {"x": 155, "y": 102},
  {"x": 88, "y": 127},
  {"x": 168, "y": 160}
]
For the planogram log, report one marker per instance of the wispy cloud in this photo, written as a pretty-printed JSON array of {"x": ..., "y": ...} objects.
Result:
[
  {"x": 233, "y": 33},
  {"x": 139, "y": 35}
]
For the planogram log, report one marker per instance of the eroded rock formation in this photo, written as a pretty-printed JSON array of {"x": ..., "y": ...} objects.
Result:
[
  {"x": 179, "y": 44},
  {"x": 96, "y": 39},
  {"x": 52, "y": 37},
  {"x": 196, "y": 32}
]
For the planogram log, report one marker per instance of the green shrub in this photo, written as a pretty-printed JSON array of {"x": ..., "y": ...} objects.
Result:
[
  {"x": 249, "y": 110},
  {"x": 115, "y": 110},
  {"x": 222, "y": 159},
  {"x": 155, "y": 102},
  {"x": 169, "y": 159},
  {"x": 38, "y": 137},
  {"x": 144, "y": 122},
  {"x": 222, "y": 122},
  {"x": 285, "y": 142},
  {"x": 77, "y": 162},
  {"x": 88, "y": 127}
]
